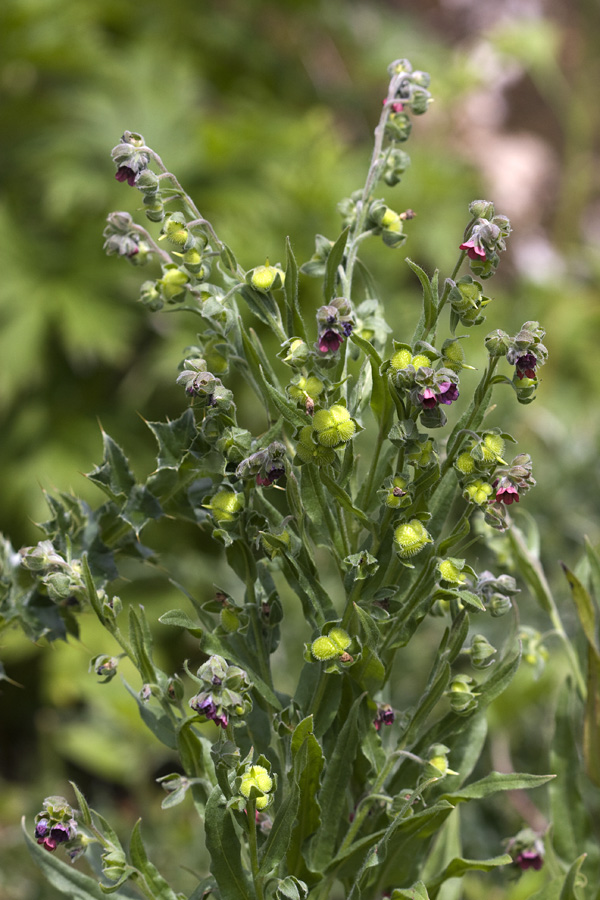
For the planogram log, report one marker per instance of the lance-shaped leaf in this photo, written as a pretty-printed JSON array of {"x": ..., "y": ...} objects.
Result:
[
  {"x": 497, "y": 781},
  {"x": 159, "y": 887},
  {"x": 417, "y": 891},
  {"x": 334, "y": 258},
  {"x": 458, "y": 866},
  {"x": 280, "y": 835},
  {"x": 591, "y": 723},
  {"x": 223, "y": 844},
  {"x": 345, "y": 501},
  {"x": 569, "y": 814},
  {"x": 307, "y": 764},
  {"x": 430, "y": 298},
  {"x": 332, "y": 796},
  {"x": 381, "y": 401},
  {"x": 290, "y": 286}
]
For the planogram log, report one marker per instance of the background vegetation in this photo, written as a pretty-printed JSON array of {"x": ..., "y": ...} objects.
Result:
[{"x": 265, "y": 110}]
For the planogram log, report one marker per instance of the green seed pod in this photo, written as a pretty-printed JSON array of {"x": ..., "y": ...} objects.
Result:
[
  {"x": 410, "y": 538},
  {"x": 333, "y": 426}
]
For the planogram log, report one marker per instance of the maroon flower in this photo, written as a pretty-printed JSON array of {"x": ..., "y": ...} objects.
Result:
[
  {"x": 529, "y": 859},
  {"x": 266, "y": 480},
  {"x": 330, "y": 341},
  {"x": 385, "y": 716},
  {"x": 428, "y": 398},
  {"x": 48, "y": 844},
  {"x": 448, "y": 393},
  {"x": 474, "y": 251},
  {"x": 525, "y": 365},
  {"x": 124, "y": 173},
  {"x": 506, "y": 493}
]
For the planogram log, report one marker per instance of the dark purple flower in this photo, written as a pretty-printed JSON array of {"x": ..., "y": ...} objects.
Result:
[
  {"x": 385, "y": 716},
  {"x": 330, "y": 341},
  {"x": 506, "y": 493},
  {"x": 273, "y": 475},
  {"x": 124, "y": 173},
  {"x": 41, "y": 829},
  {"x": 525, "y": 365},
  {"x": 208, "y": 708},
  {"x": 529, "y": 859},
  {"x": 347, "y": 327},
  {"x": 428, "y": 398},
  {"x": 474, "y": 251},
  {"x": 448, "y": 392},
  {"x": 61, "y": 833}
]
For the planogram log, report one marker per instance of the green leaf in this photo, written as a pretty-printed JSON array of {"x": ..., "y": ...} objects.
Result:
[
  {"x": 591, "y": 721},
  {"x": 173, "y": 438},
  {"x": 418, "y": 891},
  {"x": 159, "y": 887},
  {"x": 332, "y": 796},
  {"x": 286, "y": 408},
  {"x": 336, "y": 255},
  {"x": 381, "y": 401},
  {"x": 584, "y": 606},
  {"x": 428, "y": 700},
  {"x": 114, "y": 476},
  {"x": 345, "y": 501},
  {"x": 569, "y": 891},
  {"x": 458, "y": 866},
  {"x": 569, "y": 813},
  {"x": 140, "y": 640},
  {"x": 141, "y": 506},
  {"x": 280, "y": 835},
  {"x": 497, "y": 781},
  {"x": 63, "y": 876},
  {"x": 159, "y": 724},
  {"x": 223, "y": 845},
  {"x": 430, "y": 298},
  {"x": 307, "y": 763},
  {"x": 290, "y": 286},
  {"x": 180, "y": 619},
  {"x": 86, "y": 814}
]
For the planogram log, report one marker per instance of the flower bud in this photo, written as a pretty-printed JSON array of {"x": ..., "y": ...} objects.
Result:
[
  {"x": 410, "y": 538},
  {"x": 266, "y": 278},
  {"x": 497, "y": 343},
  {"x": 437, "y": 762},
  {"x": 481, "y": 209},
  {"x": 147, "y": 182},
  {"x": 154, "y": 208},
  {"x": 462, "y": 699},
  {"x": 481, "y": 652},
  {"x": 297, "y": 354}
]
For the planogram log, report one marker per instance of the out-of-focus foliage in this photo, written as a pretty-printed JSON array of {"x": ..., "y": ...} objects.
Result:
[{"x": 265, "y": 110}]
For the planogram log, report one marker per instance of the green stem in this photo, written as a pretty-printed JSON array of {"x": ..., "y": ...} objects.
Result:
[
  {"x": 251, "y": 818},
  {"x": 532, "y": 570}
]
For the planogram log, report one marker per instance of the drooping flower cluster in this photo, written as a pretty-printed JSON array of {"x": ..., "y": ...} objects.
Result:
[
  {"x": 55, "y": 824},
  {"x": 335, "y": 322},
  {"x": 485, "y": 238},
  {"x": 225, "y": 697},
  {"x": 266, "y": 466}
]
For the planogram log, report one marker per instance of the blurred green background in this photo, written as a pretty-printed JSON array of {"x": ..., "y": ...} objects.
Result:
[{"x": 265, "y": 111}]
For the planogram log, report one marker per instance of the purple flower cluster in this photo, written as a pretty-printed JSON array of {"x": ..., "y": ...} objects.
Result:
[
  {"x": 50, "y": 836},
  {"x": 205, "y": 705},
  {"x": 447, "y": 393}
]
